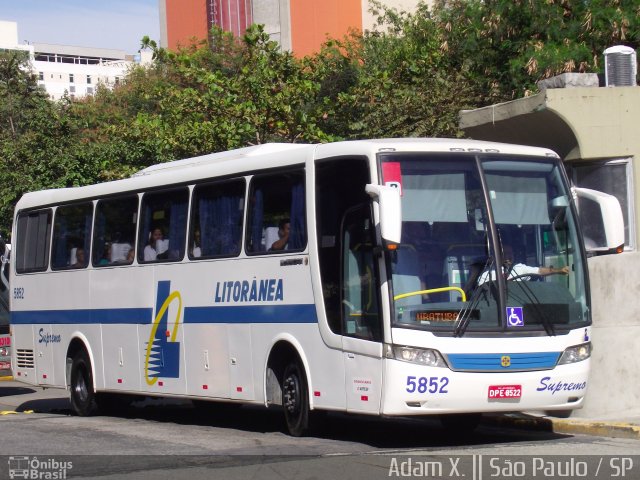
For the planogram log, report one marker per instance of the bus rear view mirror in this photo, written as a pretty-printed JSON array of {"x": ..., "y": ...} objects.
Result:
[
  {"x": 601, "y": 220},
  {"x": 388, "y": 199}
]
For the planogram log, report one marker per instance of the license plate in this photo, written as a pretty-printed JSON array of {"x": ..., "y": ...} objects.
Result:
[
  {"x": 505, "y": 391},
  {"x": 5, "y": 365}
]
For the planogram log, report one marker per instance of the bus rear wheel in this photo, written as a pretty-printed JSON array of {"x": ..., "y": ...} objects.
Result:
[
  {"x": 83, "y": 397},
  {"x": 295, "y": 399}
]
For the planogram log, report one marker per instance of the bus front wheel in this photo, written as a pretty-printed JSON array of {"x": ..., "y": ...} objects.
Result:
[
  {"x": 83, "y": 397},
  {"x": 295, "y": 399}
]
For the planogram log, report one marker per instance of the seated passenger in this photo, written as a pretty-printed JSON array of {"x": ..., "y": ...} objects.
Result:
[
  {"x": 80, "y": 259},
  {"x": 284, "y": 228},
  {"x": 106, "y": 255},
  {"x": 156, "y": 248}
]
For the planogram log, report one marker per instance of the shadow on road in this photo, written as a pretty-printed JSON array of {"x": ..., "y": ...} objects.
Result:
[
  {"x": 48, "y": 405},
  {"x": 12, "y": 391},
  {"x": 388, "y": 433}
]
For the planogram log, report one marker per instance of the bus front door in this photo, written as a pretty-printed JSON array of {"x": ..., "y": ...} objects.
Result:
[{"x": 361, "y": 320}]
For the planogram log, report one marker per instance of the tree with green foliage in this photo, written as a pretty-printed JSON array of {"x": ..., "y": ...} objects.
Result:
[
  {"x": 409, "y": 76},
  {"x": 19, "y": 91},
  {"x": 509, "y": 45},
  {"x": 395, "y": 81},
  {"x": 36, "y": 137}
]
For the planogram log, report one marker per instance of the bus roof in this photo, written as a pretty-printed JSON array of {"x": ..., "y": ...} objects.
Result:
[{"x": 260, "y": 157}]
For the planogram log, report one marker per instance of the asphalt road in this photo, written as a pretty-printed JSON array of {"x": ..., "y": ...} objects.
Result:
[{"x": 163, "y": 439}]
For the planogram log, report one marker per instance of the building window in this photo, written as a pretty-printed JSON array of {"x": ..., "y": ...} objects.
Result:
[
  {"x": 88, "y": 79},
  {"x": 72, "y": 89},
  {"x": 71, "y": 78},
  {"x": 41, "y": 76},
  {"x": 614, "y": 177}
]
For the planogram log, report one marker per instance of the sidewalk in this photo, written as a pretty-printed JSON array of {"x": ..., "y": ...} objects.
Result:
[{"x": 616, "y": 427}]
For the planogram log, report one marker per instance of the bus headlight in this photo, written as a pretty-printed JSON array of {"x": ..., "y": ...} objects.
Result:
[
  {"x": 422, "y": 356},
  {"x": 577, "y": 353}
]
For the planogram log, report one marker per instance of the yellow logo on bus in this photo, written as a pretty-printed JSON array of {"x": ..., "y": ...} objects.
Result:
[
  {"x": 505, "y": 361},
  {"x": 162, "y": 359}
]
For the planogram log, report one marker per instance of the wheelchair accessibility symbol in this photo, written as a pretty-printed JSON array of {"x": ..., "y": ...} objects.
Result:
[{"x": 515, "y": 318}]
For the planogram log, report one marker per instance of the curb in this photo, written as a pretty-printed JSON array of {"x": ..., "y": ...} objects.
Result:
[{"x": 562, "y": 425}]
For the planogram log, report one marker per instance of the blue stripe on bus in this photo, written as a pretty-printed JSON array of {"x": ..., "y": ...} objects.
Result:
[
  {"x": 493, "y": 361},
  {"x": 302, "y": 313},
  {"x": 107, "y": 315}
]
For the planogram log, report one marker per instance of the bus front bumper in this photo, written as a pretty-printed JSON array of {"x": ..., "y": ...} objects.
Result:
[{"x": 419, "y": 390}]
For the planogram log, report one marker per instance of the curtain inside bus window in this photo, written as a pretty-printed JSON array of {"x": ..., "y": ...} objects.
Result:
[
  {"x": 61, "y": 249},
  {"x": 220, "y": 224},
  {"x": 146, "y": 228},
  {"x": 99, "y": 236},
  {"x": 297, "y": 236},
  {"x": 206, "y": 211},
  {"x": 177, "y": 227},
  {"x": 256, "y": 222},
  {"x": 88, "y": 217}
]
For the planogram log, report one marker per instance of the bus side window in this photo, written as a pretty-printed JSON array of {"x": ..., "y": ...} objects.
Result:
[
  {"x": 114, "y": 231},
  {"x": 71, "y": 233},
  {"x": 163, "y": 226},
  {"x": 34, "y": 236},
  {"x": 277, "y": 206},
  {"x": 217, "y": 215}
]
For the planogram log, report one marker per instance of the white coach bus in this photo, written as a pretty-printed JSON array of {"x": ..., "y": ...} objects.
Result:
[{"x": 383, "y": 277}]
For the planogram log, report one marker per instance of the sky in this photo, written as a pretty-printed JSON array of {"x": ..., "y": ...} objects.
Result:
[{"x": 118, "y": 24}]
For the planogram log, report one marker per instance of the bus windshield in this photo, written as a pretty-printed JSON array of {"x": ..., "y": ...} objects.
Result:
[{"x": 457, "y": 210}]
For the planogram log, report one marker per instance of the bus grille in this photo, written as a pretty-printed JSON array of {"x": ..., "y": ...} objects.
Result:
[
  {"x": 24, "y": 358},
  {"x": 502, "y": 362}
]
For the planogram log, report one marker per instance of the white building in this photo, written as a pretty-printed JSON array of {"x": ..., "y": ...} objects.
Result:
[
  {"x": 64, "y": 69},
  {"x": 77, "y": 71}
]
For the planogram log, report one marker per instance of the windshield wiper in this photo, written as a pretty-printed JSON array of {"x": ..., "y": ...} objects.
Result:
[{"x": 465, "y": 317}]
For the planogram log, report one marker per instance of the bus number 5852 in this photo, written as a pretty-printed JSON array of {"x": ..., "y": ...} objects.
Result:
[{"x": 427, "y": 384}]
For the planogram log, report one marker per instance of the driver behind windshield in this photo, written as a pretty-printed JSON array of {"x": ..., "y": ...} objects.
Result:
[{"x": 519, "y": 271}]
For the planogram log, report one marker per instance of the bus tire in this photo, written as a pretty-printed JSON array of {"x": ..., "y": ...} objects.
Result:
[
  {"x": 83, "y": 397},
  {"x": 295, "y": 399}
]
